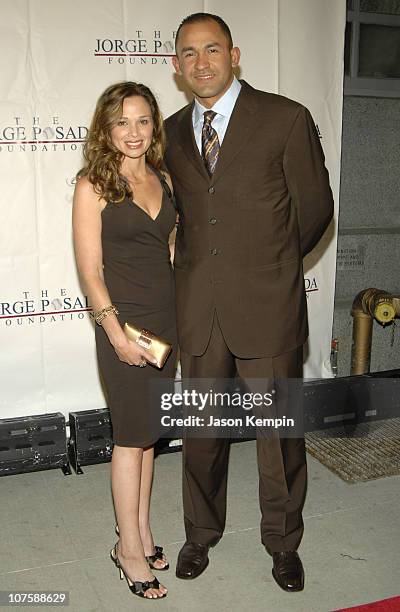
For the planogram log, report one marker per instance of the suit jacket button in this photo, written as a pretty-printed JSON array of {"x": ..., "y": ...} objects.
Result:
[
  {"x": 213, "y": 221},
  {"x": 211, "y": 189},
  {"x": 214, "y": 251}
]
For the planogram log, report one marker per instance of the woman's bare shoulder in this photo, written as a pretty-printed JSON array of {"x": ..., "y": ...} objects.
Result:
[
  {"x": 84, "y": 187},
  {"x": 85, "y": 193}
]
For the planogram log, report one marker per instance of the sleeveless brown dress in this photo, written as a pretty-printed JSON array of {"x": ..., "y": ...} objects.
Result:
[{"x": 139, "y": 277}]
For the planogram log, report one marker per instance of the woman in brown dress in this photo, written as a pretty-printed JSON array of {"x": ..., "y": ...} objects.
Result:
[{"x": 122, "y": 219}]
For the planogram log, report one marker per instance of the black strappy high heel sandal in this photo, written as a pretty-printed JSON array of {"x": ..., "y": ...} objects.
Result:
[
  {"x": 158, "y": 556},
  {"x": 151, "y": 559},
  {"x": 137, "y": 587}
]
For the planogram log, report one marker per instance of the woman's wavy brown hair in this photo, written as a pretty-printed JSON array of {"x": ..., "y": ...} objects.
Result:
[{"x": 102, "y": 159}]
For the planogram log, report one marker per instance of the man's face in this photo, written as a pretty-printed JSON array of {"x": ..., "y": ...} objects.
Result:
[{"x": 204, "y": 60}]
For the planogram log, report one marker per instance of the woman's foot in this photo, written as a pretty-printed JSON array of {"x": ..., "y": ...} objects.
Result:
[
  {"x": 156, "y": 560},
  {"x": 137, "y": 570},
  {"x": 155, "y": 557}
]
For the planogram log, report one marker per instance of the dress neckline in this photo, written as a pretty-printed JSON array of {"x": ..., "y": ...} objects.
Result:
[
  {"x": 165, "y": 189},
  {"x": 162, "y": 197},
  {"x": 133, "y": 203}
]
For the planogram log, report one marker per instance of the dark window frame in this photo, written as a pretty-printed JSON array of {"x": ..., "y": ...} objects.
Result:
[{"x": 365, "y": 86}]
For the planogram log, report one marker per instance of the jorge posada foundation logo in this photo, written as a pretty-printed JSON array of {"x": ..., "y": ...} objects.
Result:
[
  {"x": 152, "y": 47},
  {"x": 45, "y": 308},
  {"x": 40, "y": 133},
  {"x": 310, "y": 285}
]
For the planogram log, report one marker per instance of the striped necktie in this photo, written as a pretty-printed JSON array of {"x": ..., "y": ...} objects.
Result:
[{"x": 209, "y": 142}]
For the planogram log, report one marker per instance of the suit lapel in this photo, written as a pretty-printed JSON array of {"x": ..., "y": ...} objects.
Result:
[
  {"x": 242, "y": 125},
  {"x": 188, "y": 142}
]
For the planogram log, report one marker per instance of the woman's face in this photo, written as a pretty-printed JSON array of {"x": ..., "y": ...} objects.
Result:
[{"x": 133, "y": 131}]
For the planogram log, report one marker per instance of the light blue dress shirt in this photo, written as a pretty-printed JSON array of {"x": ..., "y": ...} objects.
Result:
[{"x": 223, "y": 107}]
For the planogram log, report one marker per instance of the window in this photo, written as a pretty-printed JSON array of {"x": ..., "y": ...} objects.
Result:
[
  {"x": 372, "y": 48},
  {"x": 388, "y": 7}
]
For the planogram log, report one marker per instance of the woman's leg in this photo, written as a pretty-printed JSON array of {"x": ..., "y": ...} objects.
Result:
[
  {"x": 144, "y": 506},
  {"x": 126, "y": 469}
]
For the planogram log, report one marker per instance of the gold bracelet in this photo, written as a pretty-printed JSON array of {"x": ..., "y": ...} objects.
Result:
[
  {"x": 104, "y": 313},
  {"x": 99, "y": 312},
  {"x": 100, "y": 315}
]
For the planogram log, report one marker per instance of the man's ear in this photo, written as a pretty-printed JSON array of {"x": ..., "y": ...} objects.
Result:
[
  {"x": 175, "y": 63},
  {"x": 235, "y": 56}
]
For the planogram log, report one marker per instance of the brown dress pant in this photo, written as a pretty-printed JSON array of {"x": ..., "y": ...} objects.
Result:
[{"x": 281, "y": 461}]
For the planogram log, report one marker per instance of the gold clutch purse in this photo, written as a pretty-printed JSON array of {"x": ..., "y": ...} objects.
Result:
[{"x": 158, "y": 347}]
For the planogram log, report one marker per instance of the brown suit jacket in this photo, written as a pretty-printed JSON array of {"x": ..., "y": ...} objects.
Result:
[{"x": 243, "y": 233}]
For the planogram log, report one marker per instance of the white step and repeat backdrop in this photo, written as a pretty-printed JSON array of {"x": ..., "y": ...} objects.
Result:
[{"x": 56, "y": 57}]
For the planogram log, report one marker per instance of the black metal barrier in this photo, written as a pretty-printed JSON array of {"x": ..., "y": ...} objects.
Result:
[
  {"x": 90, "y": 438},
  {"x": 36, "y": 442}
]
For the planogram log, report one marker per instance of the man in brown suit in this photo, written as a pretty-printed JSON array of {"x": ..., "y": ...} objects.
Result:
[{"x": 254, "y": 198}]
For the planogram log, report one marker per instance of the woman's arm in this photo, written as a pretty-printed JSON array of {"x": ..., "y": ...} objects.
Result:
[
  {"x": 172, "y": 235},
  {"x": 171, "y": 244},
  {"x": 86, "y": 222}
]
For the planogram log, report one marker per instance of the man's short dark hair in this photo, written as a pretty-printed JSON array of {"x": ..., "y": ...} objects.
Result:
[{"x": 198, "y": 17}]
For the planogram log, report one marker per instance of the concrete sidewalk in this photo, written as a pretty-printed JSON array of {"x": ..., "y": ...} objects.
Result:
[{"x": 57, "y": 532}]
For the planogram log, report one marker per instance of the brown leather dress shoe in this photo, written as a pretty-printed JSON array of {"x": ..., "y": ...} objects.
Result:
[
  {"x": 192, "y": 560},
  {"x": 288, "y": 570}
]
